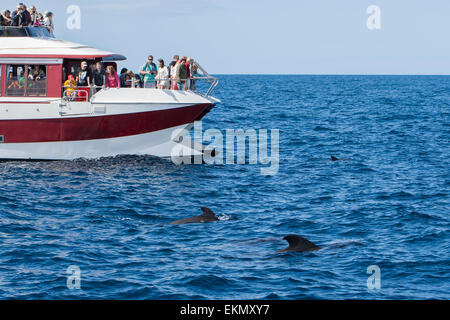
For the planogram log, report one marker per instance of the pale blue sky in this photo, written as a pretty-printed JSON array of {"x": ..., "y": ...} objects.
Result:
[{"x": 262, "y": 36}]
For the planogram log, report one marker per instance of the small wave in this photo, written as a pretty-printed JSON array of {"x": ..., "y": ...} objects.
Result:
[
  {"x": 320, "y": 128},
  {"x": 395, "y": 195},
  {"x": 421, "y": 216},
  {"x": 272, "y": 296},
  {"x": 210, "y": 281},
  {"x": 344, "y": 243}
]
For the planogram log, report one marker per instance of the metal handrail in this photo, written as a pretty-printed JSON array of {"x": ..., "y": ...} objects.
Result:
[
  {"x": 74, "y": 92},
  {"x": 89, "y": 93},
  {"x": 214, "y": 81}
]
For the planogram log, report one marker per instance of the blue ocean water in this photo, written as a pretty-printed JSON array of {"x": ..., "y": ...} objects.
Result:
[{"x": 386, "y": 204}]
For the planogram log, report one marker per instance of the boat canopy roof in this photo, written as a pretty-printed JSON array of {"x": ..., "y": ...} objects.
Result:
[{"x": 35, "y": 46}]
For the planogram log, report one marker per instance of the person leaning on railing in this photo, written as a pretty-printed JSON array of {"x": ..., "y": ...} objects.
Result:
[{"x": 181, "y": 74}]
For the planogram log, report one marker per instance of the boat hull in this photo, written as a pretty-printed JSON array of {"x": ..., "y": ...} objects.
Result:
[
  {"x": 67, "y": 138},
  {"x": 158, "y": 143}
]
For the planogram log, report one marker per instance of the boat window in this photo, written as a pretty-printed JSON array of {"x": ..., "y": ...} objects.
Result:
[
  {"x": 26, "y": 80},
  {"x": 15, "y": 80},
  {"x": 37, "y": 81}
]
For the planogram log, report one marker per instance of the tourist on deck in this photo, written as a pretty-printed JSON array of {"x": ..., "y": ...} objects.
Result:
[
  {"x": 189, "y": 62},
  {"x": 48, "y": 21},
  {"x": 27, "y": 15},
  {"x": 137, "y": 81},
  {"x": 18, "y": 17},
  {"x": 173, "y": 63},
  {"x": 194, "y": 75},
  {"x": 39, "y": 20},
  {"x": 163, "y": 75},
  {"x": 128, "y": 79},
  {"x": 181, "y": 74},
  {"x": 112, "y": 79},
  {"x": 83, "y": 80},
  {"x": 173, "y": 73},
  {"x": 5, "y": 18},
  {"x": 98, "y": 77},
  {"x": 34, "y": 15},
  {"x": 148, "y": 73},
  {"x": 122, "y": 76},
  {"x": 84, "y": 75},
  {"x": 70, "y": 87}
]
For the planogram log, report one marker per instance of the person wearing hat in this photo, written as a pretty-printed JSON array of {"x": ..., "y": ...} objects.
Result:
[{"x": 83, "y": 80}]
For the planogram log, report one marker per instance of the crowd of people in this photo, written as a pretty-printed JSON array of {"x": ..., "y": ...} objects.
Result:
[
  {"x": 180, "y": 74},
  {"x": 26, "y": 17}
]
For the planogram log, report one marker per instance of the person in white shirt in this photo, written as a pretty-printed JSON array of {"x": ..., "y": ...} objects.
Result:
[
  {"x": 163, "y": 75},
  {"x": 48, "y": 21}
]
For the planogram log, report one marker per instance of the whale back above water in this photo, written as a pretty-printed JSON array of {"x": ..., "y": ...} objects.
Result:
[
  {"x": 207, "y": 216},
  {"x": 333, "y": 158},
  {"x": 298, "y": 244}
]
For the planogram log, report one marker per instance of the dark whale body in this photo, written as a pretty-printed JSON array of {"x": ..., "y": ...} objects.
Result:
[
  {"x": 207, "y": 216},
  {"x": 333, "y": 158},
  {"x": 298, "y": 244}
]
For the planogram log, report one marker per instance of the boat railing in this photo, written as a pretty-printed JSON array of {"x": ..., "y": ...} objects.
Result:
[
  {"x": 211, "y": 80},
  {"x": 81, "y": 94},
  {"x": 85, "y": 93},
  {"x": 31, "y": 31}
]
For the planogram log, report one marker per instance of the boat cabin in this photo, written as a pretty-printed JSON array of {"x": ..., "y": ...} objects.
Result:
[{"x": 33, "y": 64}]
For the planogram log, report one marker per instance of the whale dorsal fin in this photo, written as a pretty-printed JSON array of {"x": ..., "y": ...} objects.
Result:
[
  {"x": 207, "y": 212},
  {"x": 295, "y": 241}
]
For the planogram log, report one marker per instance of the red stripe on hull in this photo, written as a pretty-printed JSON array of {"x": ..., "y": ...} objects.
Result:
[{"x": 99, "y": 127}]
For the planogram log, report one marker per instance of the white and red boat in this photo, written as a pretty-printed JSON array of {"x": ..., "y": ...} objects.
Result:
[{"x": 38, "y": 121}]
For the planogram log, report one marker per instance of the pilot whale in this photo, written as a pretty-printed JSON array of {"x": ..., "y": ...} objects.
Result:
[
  {"x": 207, "y": 216},
  {"x": 298, "y": 244},
  {"x": 333, "y": 158}
]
